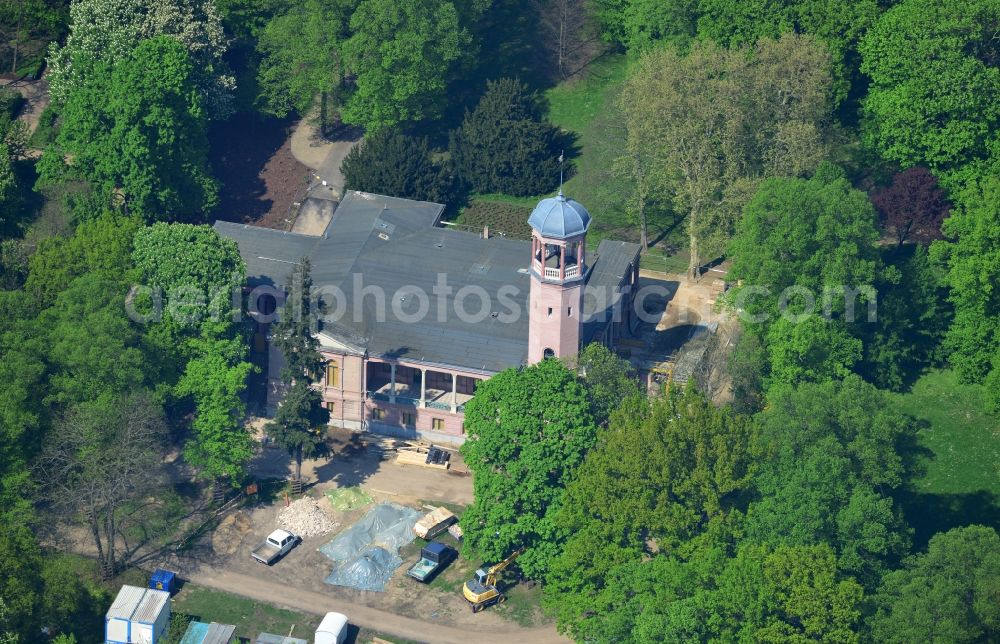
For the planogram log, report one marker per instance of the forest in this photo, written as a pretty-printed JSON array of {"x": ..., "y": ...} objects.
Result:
[{"x": 847, "y": 490}]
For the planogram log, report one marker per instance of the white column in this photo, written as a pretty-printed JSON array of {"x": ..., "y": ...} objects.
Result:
[
  {"x": 454, "y": 393},
  {"x": 423, "y": 387},
  {"x": 392, "y": 382}
]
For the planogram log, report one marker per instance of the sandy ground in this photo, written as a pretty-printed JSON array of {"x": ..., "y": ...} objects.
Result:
[
  {"x": 36, "y": 93},
  {"x": 322, "y": 155},
  {"x": 357, "y": 460},
  {"x": 405, "y": 609}
]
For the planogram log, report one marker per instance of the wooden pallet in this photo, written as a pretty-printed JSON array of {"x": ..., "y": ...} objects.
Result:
[{"x": 416, "y": 457}]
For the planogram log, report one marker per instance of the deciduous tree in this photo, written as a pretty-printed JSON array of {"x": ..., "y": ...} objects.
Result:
[
  {"x": 830, "y": 453},
  {"x": 948, "y": 594},
  {"x": 788, "y": 593},
  {"x": 934, "y": 98},
  {"x": 102, "y": 245},
  {"x": 135, "y": 130},
  {"x": 657, "y": 491},
  {"x": 912, "y": 206},
  {"x": 301, "y": 58},
  {"x": 9, "y": 190},
  {"x": 712, "y": 123},
  {"x": 838, "y": 24},
  {"x": 807, "y": 246},
  {"x": 401, "y": 53},
  {"x": 528, "y": 431},
  {"x": 972, "y": 256},
  {"x": 93, "y": 347},
  {"x": 108, "y": 30},
  {"x": 104, "y": 456},
  {"x": 609, "y": 379},
  {"x": 216, "y": 379},
  {"x": 191, "y": 262}
]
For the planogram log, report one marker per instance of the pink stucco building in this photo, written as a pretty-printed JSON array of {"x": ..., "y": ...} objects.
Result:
[{"x": 419, "y": 313}]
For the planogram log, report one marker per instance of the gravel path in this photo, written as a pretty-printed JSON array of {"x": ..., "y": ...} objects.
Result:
[{"x": 36, "y": 95}]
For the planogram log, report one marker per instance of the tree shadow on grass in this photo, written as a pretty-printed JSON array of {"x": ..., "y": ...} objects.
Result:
[{"x": 929, "y": 514}]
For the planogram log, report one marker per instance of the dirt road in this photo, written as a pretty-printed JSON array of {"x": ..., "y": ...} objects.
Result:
[{"x": 361, "y": 615}]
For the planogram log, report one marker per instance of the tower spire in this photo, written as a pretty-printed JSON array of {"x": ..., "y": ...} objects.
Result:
[{"x": 561, "y": 159}]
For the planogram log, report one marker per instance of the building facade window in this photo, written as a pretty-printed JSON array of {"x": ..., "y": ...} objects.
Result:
[
  {"x": 378, "y": 414},
  {"x": 330, "y": 406},
  {"x": 332, "y": 374},
  {"x": 408, "y": 418},
  {"x": 437, "y": 424}
]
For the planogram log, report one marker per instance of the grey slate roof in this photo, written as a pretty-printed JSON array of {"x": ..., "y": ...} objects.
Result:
[
  {"x": 559, "y": 217},
  {"x": 395, "y": 245}
]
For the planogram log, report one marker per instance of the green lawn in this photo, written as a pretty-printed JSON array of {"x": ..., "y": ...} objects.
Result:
[
  {"x": 958, "y": 461},
  {"x": 252, "y": 617},
  {"x": 587, "y": 107}
]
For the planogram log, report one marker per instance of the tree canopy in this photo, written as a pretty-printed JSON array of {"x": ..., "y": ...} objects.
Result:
[
  {"x": 806, "y": 248},
  {"x": 135, "y": 130},
  {"x": 107, "y": 31},
  {"x": 659, "y": 484},
  {"x": 401, "y": 54},
  {"x": 972, "y": 257},
  {"x": 947, "y": 594},
  {"x": 912, "y": 206},
  {"x": 391, "y": 163},
  {"x": 505, "y": 144},
  {"x": 934, "y": 98},
  {"x": 301, "y": 57},
  {"x": 830, "y": 453},
  {"x": 608, "y": 378},
  {"x": 191, "y": 264},
  {"x": 528, "y": 430},
  {"x": 709, "y": 125}
]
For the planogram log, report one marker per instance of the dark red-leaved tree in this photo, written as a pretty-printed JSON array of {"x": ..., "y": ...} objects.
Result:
[{"x": 912, "y": 206}]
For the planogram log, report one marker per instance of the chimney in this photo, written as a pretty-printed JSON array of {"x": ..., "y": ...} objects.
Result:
[{"x": 486, "y": 232}]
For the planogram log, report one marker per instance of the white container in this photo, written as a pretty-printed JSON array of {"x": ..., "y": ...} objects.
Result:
[
  {"x": 118, "y": 620},
  {"x": 151, "y": 617},
  {"x": 332, "y": 630}
]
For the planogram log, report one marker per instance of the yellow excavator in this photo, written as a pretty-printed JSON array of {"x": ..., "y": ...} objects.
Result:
[{"x": 481, "y": 591}]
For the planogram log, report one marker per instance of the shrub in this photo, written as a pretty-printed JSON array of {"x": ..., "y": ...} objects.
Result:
[
  {"x": 10, "y": 104},
  {"x": 396, "y": 165}
]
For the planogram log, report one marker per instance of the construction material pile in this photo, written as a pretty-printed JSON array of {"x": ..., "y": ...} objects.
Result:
[
  {"x": 366, "y": 554},
  {"x": 306, "y": 518},
  {"x": 346, "y": 499}
]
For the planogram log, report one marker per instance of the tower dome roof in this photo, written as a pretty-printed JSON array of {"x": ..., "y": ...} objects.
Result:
[{"x": 559, "y": 217}]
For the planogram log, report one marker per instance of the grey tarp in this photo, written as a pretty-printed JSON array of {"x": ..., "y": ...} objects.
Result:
[{"x": 365, "y": 555}]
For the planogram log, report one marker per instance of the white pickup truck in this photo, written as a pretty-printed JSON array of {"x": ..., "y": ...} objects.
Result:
[{"x": 275, "y": 546}]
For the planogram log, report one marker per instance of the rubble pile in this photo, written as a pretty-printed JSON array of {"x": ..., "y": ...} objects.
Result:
[{"x": 305, "y": 518}]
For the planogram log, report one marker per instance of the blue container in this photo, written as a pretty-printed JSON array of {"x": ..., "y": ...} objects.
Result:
[{"x": 162, "y": 580}]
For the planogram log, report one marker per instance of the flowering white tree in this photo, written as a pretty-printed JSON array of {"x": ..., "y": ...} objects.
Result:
[{"x": 107, "y": 30}]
